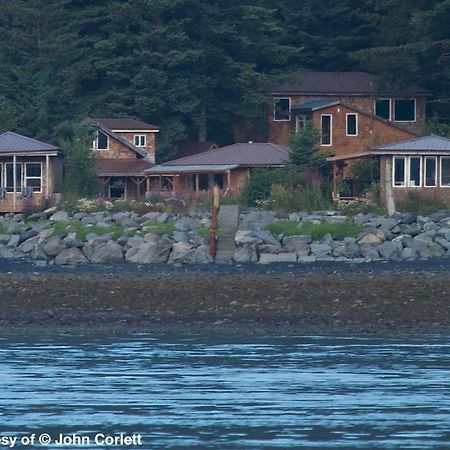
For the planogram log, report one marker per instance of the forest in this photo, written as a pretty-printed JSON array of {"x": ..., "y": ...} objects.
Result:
[{"x": 195, "y": 67}]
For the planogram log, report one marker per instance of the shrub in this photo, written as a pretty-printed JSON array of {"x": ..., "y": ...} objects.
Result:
[
  {"x": 361, "y": 207},
  {"x": 259, "y": 185},
  {"x": 419, "y": 204},
  {"x": 81, "y": 229},
  {"x": 155, "y": 227}
]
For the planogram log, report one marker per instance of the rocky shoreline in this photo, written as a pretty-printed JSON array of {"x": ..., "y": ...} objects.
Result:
[{"x": 55, "y": 237}]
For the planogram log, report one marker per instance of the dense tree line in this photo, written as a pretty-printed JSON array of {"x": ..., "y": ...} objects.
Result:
[{"x": 194, "y": 67}]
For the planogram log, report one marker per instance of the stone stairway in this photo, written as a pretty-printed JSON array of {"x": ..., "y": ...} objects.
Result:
[{"x": 228, "y": 224}]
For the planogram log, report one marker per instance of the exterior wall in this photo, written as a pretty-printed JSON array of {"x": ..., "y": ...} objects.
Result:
[
  {"x": 150, "y": 147},
  {"x": 371, "y": 132},
  {"x": 441, "y": 194},
  {"x": 280, "y": 131},
  {"x": 7, "y": 203}
]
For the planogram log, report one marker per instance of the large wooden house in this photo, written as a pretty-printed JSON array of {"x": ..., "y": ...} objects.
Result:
[{"x": 124, "y": 149}]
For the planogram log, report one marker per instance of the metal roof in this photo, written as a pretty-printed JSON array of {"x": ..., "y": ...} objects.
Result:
[
  {"x": 122, "y": 124},
  {"x": 161, "y": 169},
  {"x": 12, "y": 142},
  {"x": 242, "y": 154},
  {"x": 329, "y": 83},
  {"x": 426, "y": 143},
  {"x": 121, "y": 167},
  {"x": 315, "y": 104}
]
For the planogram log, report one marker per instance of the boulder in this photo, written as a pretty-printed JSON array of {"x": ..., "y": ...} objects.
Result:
[
  {"x": 320, "y": 250},
  {"x": 152, "y": 251},
  {"x": 307, "y": 259},
  {"x": 298, "y": 244},
  {"x": 71, "y": 256},
  {"x": 267, "y": 258},
  {"x": 180, "y": 236},
  {"x": 107, "y": 252},
  {"x": 271, "y": 249},
  {"x": 390, "y": 250},
  {"x": 187, "y": 224},
  {"x": 59, "y": 216},
  {"x": 179, "y": 252},
  {"x": 256, "y": 220},
  {"x": 433, "y": 250},
  {"x": 246, "y": 237},
  {"x": 29, "y": 244},
  {"x": 369, "y": 252},
  {"x": 408, "y": 253},
  {"x": 200, "y": 255},
  {"x": 13, "y": 240},
  {"x": 246, "y": 253},
  {"x": 370, "y": 239},
  {"x": 266, "y": 237},
  {"x": 4, "y": 238},
  {"x": 53, "y": 246},
  {"x": 442, "y": 242}
]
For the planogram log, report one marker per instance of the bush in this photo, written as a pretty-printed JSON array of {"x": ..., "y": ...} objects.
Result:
[
  {"x": 361, "y": 207},
  {"x": 419, "y": 204},
  {"x": 259, "y": 185}
]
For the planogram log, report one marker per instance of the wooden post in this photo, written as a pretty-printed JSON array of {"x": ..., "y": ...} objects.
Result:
[
  {"x": 335, "y": 180},
  {"x": 47, "y": 175},
  {"x": 148, "y": 184},
  {"x": 390, "y": 201},
  {"x": 214, "y": 221},
  {"x": 14, "y": 181},
  {"x": 228, "y": 179}
]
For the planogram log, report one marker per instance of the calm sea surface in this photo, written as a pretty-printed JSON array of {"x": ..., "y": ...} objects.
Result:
[{"x": 206, "y": 392}]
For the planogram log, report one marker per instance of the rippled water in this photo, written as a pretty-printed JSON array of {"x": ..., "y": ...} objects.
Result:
[{"x": 230, "y": 393}]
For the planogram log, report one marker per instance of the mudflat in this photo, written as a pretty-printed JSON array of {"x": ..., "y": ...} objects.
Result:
[{"x": 406, "y": 297}]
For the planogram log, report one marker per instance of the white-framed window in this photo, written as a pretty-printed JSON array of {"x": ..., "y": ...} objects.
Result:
[
  {"x": 382, "y": 108},
  {"x": 282, "y": 109},
  {"x": 33, "y": 176},
  {"x": 405, "y": 110},
  {"x": 9, "y": 176},
  {"x": 140, "y": 140},
  {"x": 101, "y": 141},
  {"x": 351, "y": 124},
  {"x": 415, "y": 171},
  {"x": 430, "y": 171},
  {"x": 445, "y": 171},
  {"x": 399, "y": 171},
  {"x": 300, "y": 122},
  {"x": 326, "y": 130}
]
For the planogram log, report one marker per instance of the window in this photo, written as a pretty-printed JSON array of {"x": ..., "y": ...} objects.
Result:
[
  {"x": 415, "y": 166},
  {"x": 101, "y": 141},
  {"x": 383, "y": 108},
  {"x": 10, "y": 177},
  {"x": 430, "y": 171},
  {"x": 282, "y": 109},
  {"x": 140, "y": 140},
  {"x": 326, "y": 121},
  {"x": 352, "y": 124},
  {"x": 399, "y": 171},
  {"x": 405, "y": 110},
  {"x": 445, "y": 171},
  {"x": 33, "y": 176},
  {"x": 300, "y": 123},
  {"x": 219, "y": 180}
]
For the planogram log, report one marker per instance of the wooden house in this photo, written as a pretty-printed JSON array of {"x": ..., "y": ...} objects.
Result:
[
  {"x": 124, "y": 149},
  {"x": 30, "y": 172}
]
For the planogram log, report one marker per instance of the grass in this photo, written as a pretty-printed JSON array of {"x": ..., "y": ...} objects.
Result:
[
  {"x": 81, "y": 229},
  {"x": 155, "y": 227},
  {"x": 420, "y": 205},
  {"x": 316, "y": 231},
  {"x": 354, "y": 208},
  {"x": 3, "y": 229}
]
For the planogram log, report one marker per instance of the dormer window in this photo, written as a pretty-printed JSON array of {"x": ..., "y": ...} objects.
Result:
[
  {"x": 101, "y": 141},
  {"x": 405, "y": 110},
  {"x": 282, "y": 109},
  {"x": 140, "y": 140}
]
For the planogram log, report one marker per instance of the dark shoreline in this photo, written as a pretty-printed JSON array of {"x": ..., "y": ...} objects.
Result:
[{"x": 320, "y": 298}]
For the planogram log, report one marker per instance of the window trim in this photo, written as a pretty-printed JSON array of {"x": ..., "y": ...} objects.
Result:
[
  {"x": 300, "y": 118},
  {"x": 420, "y": 172},
  {"x": 96, "y": 142},
  {"x": 19, "y": 185},
  {"x": 405, "y": 171},
  {"x": 356, "y": 124},
  {"x": 425, "y": 158},
  {"x": 390, "y": 108},
  {"x": 331, "y": 130},
  {"x": 274, "y": 109},
  {"x": 25, "y": 177},
  {"x": 440, "y": 172},
  {"x": 140, "y": 136},
  {"x": 415, "y": 111}
]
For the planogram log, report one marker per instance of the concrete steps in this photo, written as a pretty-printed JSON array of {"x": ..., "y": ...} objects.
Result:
[{"x": 228, "y": 224}]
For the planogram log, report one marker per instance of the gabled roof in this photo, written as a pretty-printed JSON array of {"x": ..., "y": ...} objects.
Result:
[
  {"x": 328, "y": 83},
  {"x": 315, "y": 105},
  {"x": 123, "y": 124},
  {"x": 242, "y": 154},
  {"x": 210, "y": 168},
  {"x": 189, "y": 148},
  {"x": 431, "y": 143},
  {"x": 16, "y": 143},
  {"x": 121, "y": 167}
]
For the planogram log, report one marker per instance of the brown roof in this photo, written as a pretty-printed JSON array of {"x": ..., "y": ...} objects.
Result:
[
  {"x": 122, "y": 167},
  {"x": 328, "y": 83},
  {"x": 243, "y": 154},
  {"x": 16, "y": 143},
  {"x": 189, "y": 148},
  {"x": 122, "y": 124}
]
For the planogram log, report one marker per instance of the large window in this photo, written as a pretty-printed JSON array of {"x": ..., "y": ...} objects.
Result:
[
  {"x": 101, "y": 141},
  {"x": 326, "y": 124},
  {"x": 415, "y": 170},
  {"x": 10, "y": 177},
  {"x": 430, "y": 171},
  {"x": 282, "y": 109},
  {"x": 445, "y": 171},
  {"x": 399, "y": 167},
  {"x": 33, "y": 176},
  {"x": 405, "y": 110},
  {"x": 383, "y": 108},
  {"x": 352, "y": 124},
  {"x": 140, "y": 140}
]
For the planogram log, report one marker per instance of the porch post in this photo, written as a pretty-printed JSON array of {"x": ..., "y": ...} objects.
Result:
[
  {"x": 197, "y": 182},
  {"x": 47, "y": 175},
  {"x": 228, "y": 179},
  {"x": 148, "y": 184},
  {"x": 390, "y": 201},
  {"x": 334, "y": 180},
  {"x": 14, "y": 181}
]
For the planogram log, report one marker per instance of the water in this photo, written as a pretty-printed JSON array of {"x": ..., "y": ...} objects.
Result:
[{"x": 230, "y": 393}]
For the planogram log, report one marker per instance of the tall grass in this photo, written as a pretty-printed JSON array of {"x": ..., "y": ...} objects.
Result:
[{"x": 420, "y": 205}]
